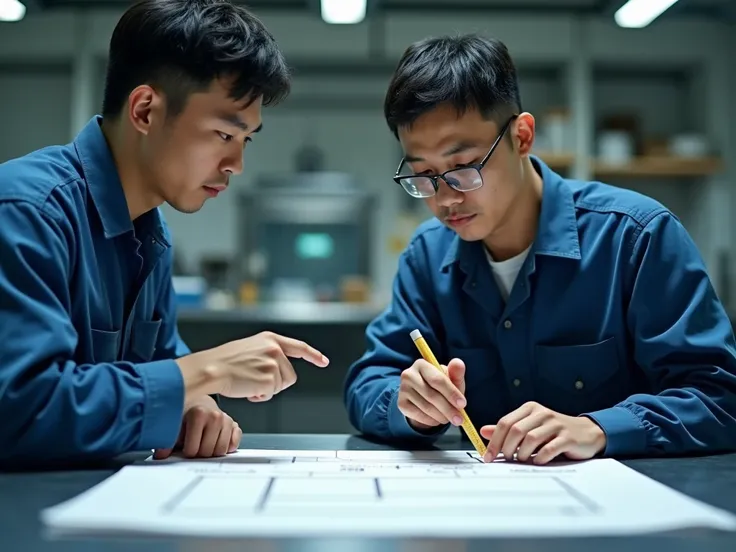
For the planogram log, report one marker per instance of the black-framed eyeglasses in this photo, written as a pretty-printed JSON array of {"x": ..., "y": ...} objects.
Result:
[{"x": 462, "y": 179}]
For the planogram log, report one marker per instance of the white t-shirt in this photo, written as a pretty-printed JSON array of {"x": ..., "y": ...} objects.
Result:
[{"x": 505, "y": 272}]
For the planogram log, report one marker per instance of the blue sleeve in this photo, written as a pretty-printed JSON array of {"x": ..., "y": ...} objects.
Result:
[
  {"x": 170, "y": 344},
  {"x": 683, "y": 340},
  {"x": 53, "y": 409},
  {"x": 372, "y": 383}
]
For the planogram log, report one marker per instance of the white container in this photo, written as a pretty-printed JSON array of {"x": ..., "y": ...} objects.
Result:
[
  {"x": 689, "y": 145},
  {"x": 615, "y": 147},
  {"x": 557, "y": 127}
]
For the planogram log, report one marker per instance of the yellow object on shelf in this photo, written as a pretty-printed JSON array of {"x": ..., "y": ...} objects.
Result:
[
  {"x": 355, "y": 289},
  {"x": 248, "y": 293}
]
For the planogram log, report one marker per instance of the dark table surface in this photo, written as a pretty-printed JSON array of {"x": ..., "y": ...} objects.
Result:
[{"x": 711, "y": 479}]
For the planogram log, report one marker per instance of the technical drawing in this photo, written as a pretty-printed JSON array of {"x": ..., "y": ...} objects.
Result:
[{"x": 383, "y": 493}]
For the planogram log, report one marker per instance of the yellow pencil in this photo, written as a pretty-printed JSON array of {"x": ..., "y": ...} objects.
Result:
[{"x": 467, "y": 425}]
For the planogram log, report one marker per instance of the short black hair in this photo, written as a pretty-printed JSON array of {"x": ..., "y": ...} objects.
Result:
[
  {"x": 182, "y": 46},
  {"x": 466, "y": 71}
]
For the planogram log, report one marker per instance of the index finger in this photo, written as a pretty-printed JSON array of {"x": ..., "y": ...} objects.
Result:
[
  {"x": 440, "y": 381},
  {"x": 295, "y": 348}
]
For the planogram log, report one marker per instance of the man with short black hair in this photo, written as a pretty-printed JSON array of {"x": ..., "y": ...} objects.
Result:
[
  {"x": 576, "y": 319},
  {"x": 91, "y": 363}
]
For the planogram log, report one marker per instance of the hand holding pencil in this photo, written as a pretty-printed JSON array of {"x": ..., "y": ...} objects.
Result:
[
  {"x": 431, "y": 395},
  {"x": 429, "y": 398}
]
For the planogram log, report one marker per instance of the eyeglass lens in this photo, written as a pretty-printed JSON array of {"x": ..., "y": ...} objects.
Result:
[{"x": 463, "y": 180}]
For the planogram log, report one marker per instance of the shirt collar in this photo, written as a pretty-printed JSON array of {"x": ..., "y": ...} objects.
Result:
[
  {"x": 104, "y": 184},
  {"x": 557, "y": 232}
]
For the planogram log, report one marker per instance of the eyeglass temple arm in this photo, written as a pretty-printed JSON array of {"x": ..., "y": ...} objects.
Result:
[
  {"x": 498, "y": 139},
  {"x": 401, "y": 164}
]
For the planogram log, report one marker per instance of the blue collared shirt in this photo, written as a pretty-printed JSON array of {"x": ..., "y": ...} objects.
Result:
[
  {"x": 612, "y": 316},
  {"x": 87, "y": 313}
]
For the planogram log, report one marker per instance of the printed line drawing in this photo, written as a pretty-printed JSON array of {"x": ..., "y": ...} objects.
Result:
[
  {"x": 352, "y": 487},
  {"x": 271, "y": 493}
]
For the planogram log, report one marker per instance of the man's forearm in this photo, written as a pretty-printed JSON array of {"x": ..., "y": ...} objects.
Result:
[
  {"x": 677, "y": 421},
  {"x": 372, "y": 408},
  {"x": 73, "y": 412}
]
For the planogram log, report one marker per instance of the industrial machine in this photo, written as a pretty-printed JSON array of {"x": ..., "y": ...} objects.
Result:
[{"x": 305, "y": 236}]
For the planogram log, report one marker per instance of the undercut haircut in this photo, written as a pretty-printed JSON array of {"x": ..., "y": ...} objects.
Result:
[{"x": 180, "y": 47}]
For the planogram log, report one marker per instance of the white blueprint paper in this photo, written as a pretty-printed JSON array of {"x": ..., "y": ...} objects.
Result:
[{"x": 265, "y": 493}]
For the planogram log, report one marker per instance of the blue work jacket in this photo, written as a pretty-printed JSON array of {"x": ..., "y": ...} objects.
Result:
[
  {"x": 87, "y": 312},
  {"x": 612, "y": 316}
]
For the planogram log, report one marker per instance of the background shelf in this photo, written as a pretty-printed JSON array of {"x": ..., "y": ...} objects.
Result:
[
  {"x": 557, "y": 161},
  {"x": 660, "y": 166}
]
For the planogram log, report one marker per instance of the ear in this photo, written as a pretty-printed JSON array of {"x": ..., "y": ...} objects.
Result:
[
  {"x": 145, "y": 107},
  {"x": 523, "y": 130}
]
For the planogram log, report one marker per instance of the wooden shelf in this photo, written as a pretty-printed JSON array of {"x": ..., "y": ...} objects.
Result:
[
  {"x": 659, "y": 166},
  {"x": 642, "y": 166},
  {"x": 556, "y": 161}
]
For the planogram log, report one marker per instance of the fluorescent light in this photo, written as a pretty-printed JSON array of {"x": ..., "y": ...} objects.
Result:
[
  {"x": 11, "y": 10},
  {"x": 346, "y": 12},
  {"x": 640, "y": 13}
]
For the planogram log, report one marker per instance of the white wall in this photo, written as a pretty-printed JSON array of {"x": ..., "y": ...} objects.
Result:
[{"x": 45, "y": 108}]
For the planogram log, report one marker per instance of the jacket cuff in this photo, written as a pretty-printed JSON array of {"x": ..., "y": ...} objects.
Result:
[
  {"x": 625, "y": 433},
  {"x": 164, "y": 404}
]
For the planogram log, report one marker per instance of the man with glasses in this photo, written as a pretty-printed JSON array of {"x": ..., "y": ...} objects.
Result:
[{"x": 575, "y": 319}]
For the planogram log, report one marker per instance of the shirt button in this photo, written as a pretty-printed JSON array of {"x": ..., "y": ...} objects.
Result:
[
  {"x": 507, "y": 324},
  {"x": 517, "y": 382},
  {"x": 579, "y": 384}
]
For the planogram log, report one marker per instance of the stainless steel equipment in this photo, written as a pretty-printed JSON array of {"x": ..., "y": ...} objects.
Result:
[{"x": 307, "y": 236}]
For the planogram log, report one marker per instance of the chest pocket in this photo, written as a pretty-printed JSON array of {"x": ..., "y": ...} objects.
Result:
[
  {"x": 143, "y": 339},
  {"x": 574, "y": 379},
  {"x": 105, "y": 345}
]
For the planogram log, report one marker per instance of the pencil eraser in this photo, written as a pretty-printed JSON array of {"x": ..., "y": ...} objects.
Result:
[{"x": 416, "y": 334}]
